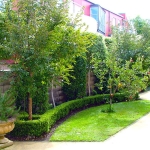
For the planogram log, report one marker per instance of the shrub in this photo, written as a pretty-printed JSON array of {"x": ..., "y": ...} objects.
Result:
[
  {"x": 40, "y": 100},
  {"x": 43, "y": 123},
  {"x": 77, "y": 87}
]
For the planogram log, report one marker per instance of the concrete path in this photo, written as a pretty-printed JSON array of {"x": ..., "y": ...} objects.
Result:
[
  {"x": 134, "y": 137},
  {"x": 145, "y": 95}
]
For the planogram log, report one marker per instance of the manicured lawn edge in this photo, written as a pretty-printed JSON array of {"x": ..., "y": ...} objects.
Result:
[
  {"x": 93, "y": 125},
  {"x": 38, "y": 127}
]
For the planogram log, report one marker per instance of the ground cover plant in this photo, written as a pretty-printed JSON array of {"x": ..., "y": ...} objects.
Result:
[{"x": 94, "y": 125}]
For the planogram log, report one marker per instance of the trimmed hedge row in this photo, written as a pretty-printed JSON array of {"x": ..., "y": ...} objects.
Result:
[{"x": 38, "y": 127}]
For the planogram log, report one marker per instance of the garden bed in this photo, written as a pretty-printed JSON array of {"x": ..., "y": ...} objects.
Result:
[{"x": 41, "y": 128}]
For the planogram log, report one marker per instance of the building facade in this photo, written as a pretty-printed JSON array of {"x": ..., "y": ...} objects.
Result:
[{"x": 104, "y": 18}]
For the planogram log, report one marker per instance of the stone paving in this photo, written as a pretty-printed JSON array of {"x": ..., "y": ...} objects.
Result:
[{"x": 134, "y": 137}]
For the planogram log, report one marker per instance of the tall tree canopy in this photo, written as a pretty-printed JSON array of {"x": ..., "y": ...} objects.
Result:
[{"x": 42, "y": 42}]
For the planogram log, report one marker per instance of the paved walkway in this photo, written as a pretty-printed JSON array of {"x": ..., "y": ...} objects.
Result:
[
  {"x": 134, "y": 137},
  {"x": 145, "y": 95}
]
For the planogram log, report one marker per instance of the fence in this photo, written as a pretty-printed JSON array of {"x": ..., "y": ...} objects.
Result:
[
  {"x": 4, "y": 86},
  {"x": 57, "y": 91}
]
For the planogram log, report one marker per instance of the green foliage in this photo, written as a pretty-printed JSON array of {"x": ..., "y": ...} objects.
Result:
[
  {"x": 109, "y": 109},
  {"x": 47, "y": 120},
  {"x": 129, "y": 77},
  {"x": 121, "y": 73},
  {"x": 3, "y": 35},
  {"x": 142, "y": 28},
  {"x": 40, "y": 99},
  {"x": 77, "y": 86},
  {"x": 42, "y": 44},
  {"x": 108, "y": 42},
  {"x": 7, "y": 107},
  {"x": 128, "y": 44},
  {"x": 30, "y": 128},
  {"x": 133, "y": 78},
  {"x": 98, "y": 126},
  {"x": 97, "y": 47},
  {"x": 133, "y": 41},
  {"x": 139, "y": 24}
]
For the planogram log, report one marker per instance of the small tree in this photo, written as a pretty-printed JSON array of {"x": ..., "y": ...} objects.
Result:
[
  {"x": 142, "y": 28},
  {"x": 42, "y": 42},
  {"x": 128, "y": 77},
  {"x": 76, "y": 88},
  {"x": 98, "y": 47}
]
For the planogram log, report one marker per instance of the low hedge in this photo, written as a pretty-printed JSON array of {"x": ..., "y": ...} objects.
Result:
[{"x": 42, "y": 125}]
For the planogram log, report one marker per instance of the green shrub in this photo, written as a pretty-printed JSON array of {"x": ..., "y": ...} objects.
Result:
[
  {"x": 43, "y": 123},
  {"x": 118, "y": 97},
  {"x": 77, "y": 87},
  {"x": 40, "y": 100}
]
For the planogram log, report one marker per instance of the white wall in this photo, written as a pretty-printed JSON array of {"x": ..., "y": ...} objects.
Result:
[{"x": 91, "y": 23}]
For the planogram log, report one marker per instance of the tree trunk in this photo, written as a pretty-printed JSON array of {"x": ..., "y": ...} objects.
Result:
[
  {"x": 53, "y": 95},
  {"x": 30, "y": 102},
  {"x": 89, "y": 87},
  {"x": 111, "y": 97},
  {"x": 30, "y": 107},
  {"x": 110, "y": 102}
]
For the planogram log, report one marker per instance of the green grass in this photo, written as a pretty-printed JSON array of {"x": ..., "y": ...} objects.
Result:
[{"x": 94, "y": 125}]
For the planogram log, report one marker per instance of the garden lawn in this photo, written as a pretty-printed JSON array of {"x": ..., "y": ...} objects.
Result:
[{"x": 94, "y": 125}]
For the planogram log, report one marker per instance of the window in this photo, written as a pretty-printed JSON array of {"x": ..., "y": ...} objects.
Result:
[
  {"x": 94, "y": 13},
  {"x": 102, "y": 20},
  {"x": 99, "y": 15}
]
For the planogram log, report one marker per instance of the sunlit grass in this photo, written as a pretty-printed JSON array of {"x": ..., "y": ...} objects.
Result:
[{"x": 94, "y": 125}]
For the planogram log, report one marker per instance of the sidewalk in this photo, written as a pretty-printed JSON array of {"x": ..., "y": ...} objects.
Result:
[
  {"x": 134, "y": 137},
  {"x": 145, "y": 95}
]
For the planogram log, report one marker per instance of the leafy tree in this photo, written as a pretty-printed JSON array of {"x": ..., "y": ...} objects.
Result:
[
  {"x": 97, "y": 47},
  {"x": 77, "y": 82},
  {"x": 3, "y": 35},
  {"x": 77, "y": 86},
  {"x": 139, "y": 24},
  {"x": 42, "y": 42},
  {"x": 133, "y": 40},
  {"x": 128, "y": 77},
  {"x": 143, "y": 30},
  {"x": 127, "y": 42}
]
